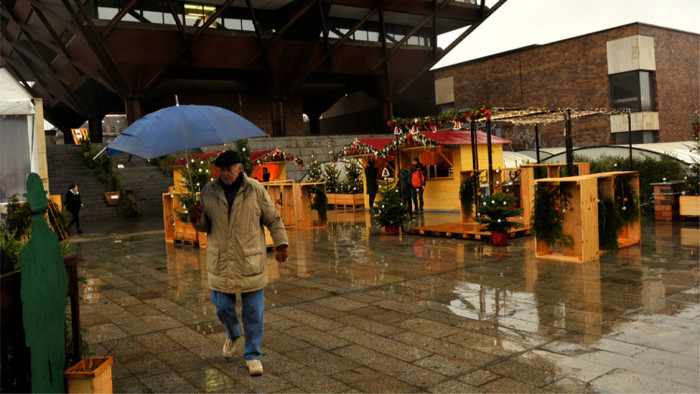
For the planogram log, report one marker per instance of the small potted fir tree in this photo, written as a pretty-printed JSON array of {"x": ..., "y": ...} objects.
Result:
[
  {"x": 494, "y": 212},
  {"x": 389, "y": 210}
]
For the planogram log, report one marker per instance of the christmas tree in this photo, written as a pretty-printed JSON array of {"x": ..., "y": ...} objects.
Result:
[
  {"x": 389, "y": 209},
  {"x": 315, "y": 173},
  {"x": 331, "y": 176},
  {"x": 244, "y": 150},
  {"x": 495, "y": 211},
  {"x": 194, "y": 177},
  {"x": 353, "y": 174}
]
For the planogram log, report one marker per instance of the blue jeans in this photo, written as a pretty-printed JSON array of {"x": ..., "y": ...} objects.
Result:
[{"x": 253, "y": 306}]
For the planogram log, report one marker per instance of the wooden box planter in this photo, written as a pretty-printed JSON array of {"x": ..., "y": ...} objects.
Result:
[
  {"x": 91, "y": 375},
  {"x": 581, "y": 220},
  {"x": 175, "y": 229},
  {"x": 341, "y": 200},
  {"x": 689, "y": 205}
]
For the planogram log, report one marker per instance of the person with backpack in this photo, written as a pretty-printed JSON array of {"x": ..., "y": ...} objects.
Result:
[{"x": 418, "y": 176}]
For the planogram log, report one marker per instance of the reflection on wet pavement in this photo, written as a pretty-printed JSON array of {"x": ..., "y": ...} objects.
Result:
[{"x": 357, "y": 310}]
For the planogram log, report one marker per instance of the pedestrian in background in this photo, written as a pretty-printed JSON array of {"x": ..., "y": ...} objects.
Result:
[
  {"x": 418, "y": 176},
  {"x": 73, "y": 203},
  {"x": 371, "y": 178},
  {"x": 232, "y": 210}
]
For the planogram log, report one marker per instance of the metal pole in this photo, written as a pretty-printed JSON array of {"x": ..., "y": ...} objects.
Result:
[
  {"x": 629, "y": 135},
  {"x": 569, "y": 145},
  {"x": 537, "y": 142},
  {"x": 475, "y": 163},
  {"x": 488, "y": 146},
  {"x": 396, "y": 164}
]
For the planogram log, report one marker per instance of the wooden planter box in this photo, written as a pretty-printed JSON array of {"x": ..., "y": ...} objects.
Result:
[
  {"x": 346, "y": 200},
  {"x": 689, "y": 205},
  {"x": 91, "y": 375},
  {"x": 581, "y": 222}
]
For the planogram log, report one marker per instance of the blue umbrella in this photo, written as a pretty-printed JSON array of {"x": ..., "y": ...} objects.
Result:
[{"x": 183, "y": 127}]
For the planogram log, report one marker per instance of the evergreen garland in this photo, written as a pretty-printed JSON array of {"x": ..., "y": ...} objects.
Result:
[
  {"x": 466, "y": 196},
  {"x": 626, "y": 202},
  {"x": 389, "y": 209},
  {"x": 195, "y": 176},
  {"x": 244, "y": 150},
  {"x": 546, "y": 223},
  {"x": 609, "y": 224}
]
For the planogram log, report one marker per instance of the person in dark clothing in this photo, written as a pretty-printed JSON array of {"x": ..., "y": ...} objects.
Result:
[
  {"x": 406, "y": 187},
  {"x": 73, "y": 202},
  {"x": 418, "y": 177},
  {"x": 266, "y": 175},
  {"x": 371, "y": 177}
]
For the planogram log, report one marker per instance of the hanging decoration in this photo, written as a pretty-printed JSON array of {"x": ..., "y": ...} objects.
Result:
[
  {"x": 278, "y": 155},
  {"x": 551, "y": 204},
  {"x": 495, "y": 114}
]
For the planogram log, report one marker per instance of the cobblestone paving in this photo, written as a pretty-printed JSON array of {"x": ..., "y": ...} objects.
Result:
[{"x": 356, "y": 310}]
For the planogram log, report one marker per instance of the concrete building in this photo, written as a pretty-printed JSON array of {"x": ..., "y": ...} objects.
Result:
[
  {"x": 270, "y": 61},
  {"x": 652, "y": 70}
]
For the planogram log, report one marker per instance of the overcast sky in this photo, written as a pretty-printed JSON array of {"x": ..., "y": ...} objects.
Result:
[{"x": 520, "y": 23}]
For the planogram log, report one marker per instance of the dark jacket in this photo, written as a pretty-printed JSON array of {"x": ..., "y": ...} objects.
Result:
[
  {"x": 405, "y": 183},
  {"x": 371, "y": 177},
  {"x": 72, "y": 201}
]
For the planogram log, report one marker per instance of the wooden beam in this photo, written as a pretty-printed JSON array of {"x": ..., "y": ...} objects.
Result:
[
  {"x": 156, "y": 78},
  {"x": 278, "y": 35},
  {"x": 445, "y": 51},
  {"x": 118, "y": 18}
]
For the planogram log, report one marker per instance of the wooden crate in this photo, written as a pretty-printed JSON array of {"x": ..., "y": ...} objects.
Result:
[
  {"x": 527, "y": 183},
  {"x": 302, "y": 209},
  {"x": 689, "y": 205},
  {"x": 112, "y": 198},
  {"x": 282, "y": 195},
  {"x": 580, "y": 222},
  {"x": 340, "y": 200},
  {"x": 607, "y": 182}
]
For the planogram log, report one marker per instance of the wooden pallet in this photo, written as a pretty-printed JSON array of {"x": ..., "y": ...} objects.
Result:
[
  {"x": 463, "y": 231},
  {"x": 345, "y": 206}
]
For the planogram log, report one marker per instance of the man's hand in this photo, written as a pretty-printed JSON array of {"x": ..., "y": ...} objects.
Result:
[
  {"x": 195, "y": 212},
  {"x": 281, "y": 255}
]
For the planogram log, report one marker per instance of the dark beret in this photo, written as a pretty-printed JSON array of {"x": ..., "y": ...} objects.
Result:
[{"x": 227, "y": 158}]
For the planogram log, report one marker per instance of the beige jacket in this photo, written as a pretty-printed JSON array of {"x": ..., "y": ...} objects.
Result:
[{"x": 236, "y": 252}]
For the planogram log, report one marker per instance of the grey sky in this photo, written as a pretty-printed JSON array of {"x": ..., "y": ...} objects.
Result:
[{"x": 520, "y": 23}]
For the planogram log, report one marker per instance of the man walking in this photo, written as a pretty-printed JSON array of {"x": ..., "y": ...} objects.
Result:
[{"x": 232, "y": 210}]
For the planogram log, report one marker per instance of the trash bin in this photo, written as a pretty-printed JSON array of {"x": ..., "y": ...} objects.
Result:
[{"x": 91, "y": 375}]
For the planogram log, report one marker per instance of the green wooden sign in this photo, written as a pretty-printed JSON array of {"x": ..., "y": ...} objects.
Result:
[{"x": 44, "y": 291}]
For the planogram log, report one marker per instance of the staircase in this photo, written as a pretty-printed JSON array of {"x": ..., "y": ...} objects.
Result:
[{"x": 66, "y": 166}]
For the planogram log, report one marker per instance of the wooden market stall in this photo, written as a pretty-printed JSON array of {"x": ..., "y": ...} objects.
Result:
[{"x": 270, "y": 165}]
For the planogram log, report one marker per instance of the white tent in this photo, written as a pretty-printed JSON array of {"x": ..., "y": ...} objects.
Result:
[{"x": 22, "y": 142}]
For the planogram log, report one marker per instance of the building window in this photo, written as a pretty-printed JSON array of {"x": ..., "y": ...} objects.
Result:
[
  {"x": 634, "y": 90},
  {"x": 638, "y": 137}
]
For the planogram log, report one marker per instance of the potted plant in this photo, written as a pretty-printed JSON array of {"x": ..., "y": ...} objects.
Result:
[
  {"x": 389, "y": 210},
  {"x": 494, "y": 212}
]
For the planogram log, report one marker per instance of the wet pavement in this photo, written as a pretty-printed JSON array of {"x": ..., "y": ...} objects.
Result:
[{"x": 356, "y": 310}]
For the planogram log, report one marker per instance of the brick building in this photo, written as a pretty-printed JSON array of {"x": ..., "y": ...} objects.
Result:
[{"x": 655, "y": 71}]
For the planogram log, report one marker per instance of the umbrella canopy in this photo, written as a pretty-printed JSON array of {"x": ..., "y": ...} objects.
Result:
[{"x": 183, "y": 127}]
